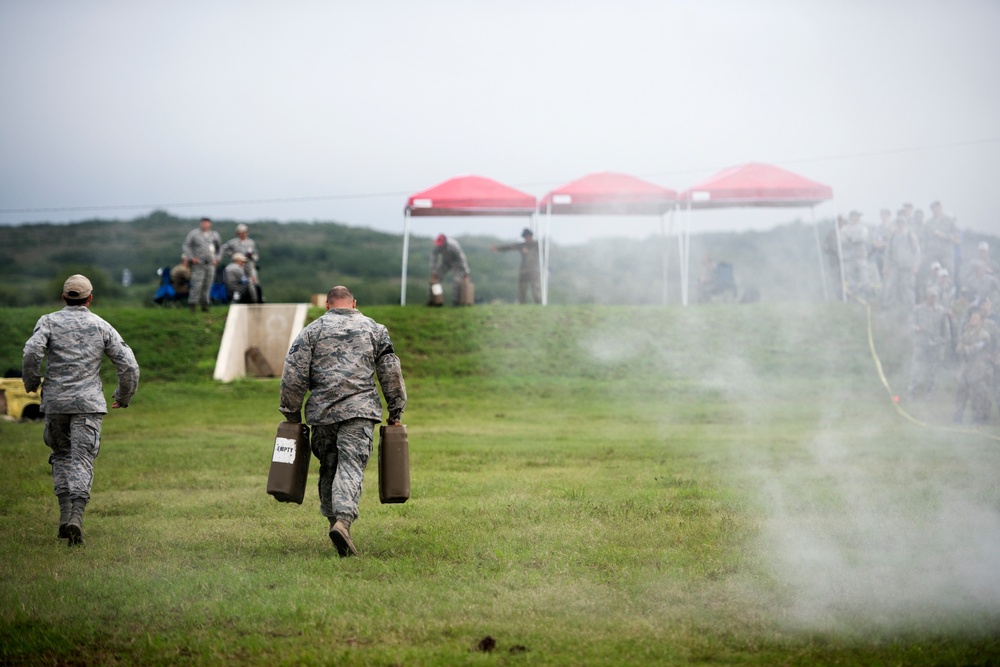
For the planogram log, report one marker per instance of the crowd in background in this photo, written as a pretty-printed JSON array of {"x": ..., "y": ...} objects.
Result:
[{"x": 911, "y": 266}]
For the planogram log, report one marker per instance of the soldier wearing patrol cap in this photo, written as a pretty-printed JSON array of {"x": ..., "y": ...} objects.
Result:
[
  {"x": 203, "y": 248},
  {"x": 72, "y": 341},
  {"x": 529, "y": 276}
]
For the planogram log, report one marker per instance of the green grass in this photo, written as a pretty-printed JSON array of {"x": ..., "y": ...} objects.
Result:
[{"x": 605, "y": 485}]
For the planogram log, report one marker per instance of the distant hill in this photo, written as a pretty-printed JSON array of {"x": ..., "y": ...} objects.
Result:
[{"x": 301, "y": 259}]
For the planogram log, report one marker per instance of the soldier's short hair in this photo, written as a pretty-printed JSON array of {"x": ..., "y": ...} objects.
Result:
[{"x": 339, "y": 293}]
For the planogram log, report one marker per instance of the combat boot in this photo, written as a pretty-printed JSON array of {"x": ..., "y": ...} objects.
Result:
[
  {"x": 340, "y": 535},
  {"x": 65, "y": 507},
  {"x": 74, "y": 528}
]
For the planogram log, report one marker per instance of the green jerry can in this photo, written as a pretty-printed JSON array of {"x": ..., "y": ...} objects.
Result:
[
  {"x": 393, "y": 464},
  {"x": 286, "y": 480}
]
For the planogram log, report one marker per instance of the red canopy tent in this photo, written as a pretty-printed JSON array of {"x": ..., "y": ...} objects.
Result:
[
  {"x": 751, "y": 184},
  {"x": 463, "y": 195},
  {"x": 756, "y": 184},
  {"x": 604, "y": 193}
]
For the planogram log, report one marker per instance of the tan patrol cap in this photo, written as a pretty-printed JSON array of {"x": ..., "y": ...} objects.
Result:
[{"x": 77, "y": 287}]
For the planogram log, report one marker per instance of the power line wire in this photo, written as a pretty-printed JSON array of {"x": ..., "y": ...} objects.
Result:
[{"x": 379, "y": 195}]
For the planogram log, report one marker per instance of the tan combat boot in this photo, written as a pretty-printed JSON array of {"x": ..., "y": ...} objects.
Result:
[{"x": 340, "y": 535}]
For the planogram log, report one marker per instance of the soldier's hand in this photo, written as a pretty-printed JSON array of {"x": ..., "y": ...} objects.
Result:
[{"x": 115, "y": 406}]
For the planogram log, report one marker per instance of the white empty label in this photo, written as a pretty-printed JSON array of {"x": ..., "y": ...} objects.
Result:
[{"x": 284, "y": 450}]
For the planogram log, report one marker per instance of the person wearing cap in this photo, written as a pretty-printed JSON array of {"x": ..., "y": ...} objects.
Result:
[
  {"x": 237, "y": 282},
  {"x": 202, "y": 247},
  {"x": 336, "y": 360},
  {"x": 72, "y": 342},
  {"x": 242, "y": 243},
  {"x": 902, "y": 262},
  {"x": 447, "y": 256},
  {"x": 529, "y": 276}
]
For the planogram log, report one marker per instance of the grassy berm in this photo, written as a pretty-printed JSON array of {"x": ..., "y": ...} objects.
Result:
[{"x": 724, "y": 485}]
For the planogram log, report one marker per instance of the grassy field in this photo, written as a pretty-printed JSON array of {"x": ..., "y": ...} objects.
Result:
[{"x": 590, "y": 486}]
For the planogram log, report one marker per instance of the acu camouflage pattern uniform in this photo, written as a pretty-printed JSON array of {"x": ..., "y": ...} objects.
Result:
[
  {"x": 337, "y": 358},
  {"x": 74, "y": 341},
  {"x": 529, "y": 275},
  {"x": 205, "y": 247},
  {"x": 931, "y": 329},
  {"x": 975, "y": 348},
  {"x": 446, "y": 257},
  {"x": 246, "y": 247}
]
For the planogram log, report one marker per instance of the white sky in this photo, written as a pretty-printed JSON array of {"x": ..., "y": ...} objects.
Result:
[{"x": 356, "y": 105}]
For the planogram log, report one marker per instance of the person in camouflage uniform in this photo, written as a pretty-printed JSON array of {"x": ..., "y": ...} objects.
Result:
[
  {"x": 246, "y": 246},
  {"x": 530, "y": 276},
  {"x": 930, "y": 327},
  {"x": 72, "y": 341},
  {"x": 976, "y": 378},
  {"x": 337, "y": 358},
  {"x": 202, "y": 247},
  {"x": 447, "y": 255},
  {"x": 902, "y": 262}
]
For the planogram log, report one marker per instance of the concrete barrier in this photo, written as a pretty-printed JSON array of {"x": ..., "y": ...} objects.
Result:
[{"x": 260, "y": 333}]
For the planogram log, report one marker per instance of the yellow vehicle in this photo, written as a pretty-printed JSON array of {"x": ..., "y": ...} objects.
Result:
[{"x": 15, "y": 402}]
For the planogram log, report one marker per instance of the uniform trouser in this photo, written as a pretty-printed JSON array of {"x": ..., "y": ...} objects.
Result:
[
  {"x": 75, "y": 441},
  {"x": 457, "y": 279},
  {"x": 343, "y": 450},
  {"x": 528, "y": 281},
  {"x": 202, "y": 277}
]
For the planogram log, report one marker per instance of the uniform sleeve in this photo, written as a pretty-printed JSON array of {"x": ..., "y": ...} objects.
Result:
[
  {"x": 295, "y": 376},
  {"x": 34, "y": 352},
  {"x": 390, "y": 374},
  {"x": 187, "y": 248},
  {"x": 226, "y": 249},
  {"x": 123, "y": 358}
]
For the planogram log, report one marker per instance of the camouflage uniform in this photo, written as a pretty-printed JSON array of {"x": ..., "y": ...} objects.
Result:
[
  {"x": 73, "y": 341},
  {"x": 235, "y": 278},
  {"x": 180, "y": 278},
  {"x": 446, "y": 257},
  {"x": 205, "y": 247},
  {"x": 336, "y": 359},
  {"x": 931, "y": 330},
  {"x": 246, "y": 247},
  {"x": 902, "y": 261},
  {"x": 529, "y": 276},
  {"x": 976, "y": 379}
]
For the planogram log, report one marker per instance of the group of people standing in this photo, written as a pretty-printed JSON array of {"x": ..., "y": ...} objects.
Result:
[
  {"x": 447, "y": 256},
  {"x": 201, "y": 254},
  {"x": 912, "y": 267}
]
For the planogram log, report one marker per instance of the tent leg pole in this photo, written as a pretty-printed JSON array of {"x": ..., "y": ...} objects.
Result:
[
  {"x": 819, "y": 255},
  {"x": 406, "y": 256}
]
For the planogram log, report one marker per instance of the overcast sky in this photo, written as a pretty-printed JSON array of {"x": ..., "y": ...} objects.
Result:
[{"x": 349, "y": 107}]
